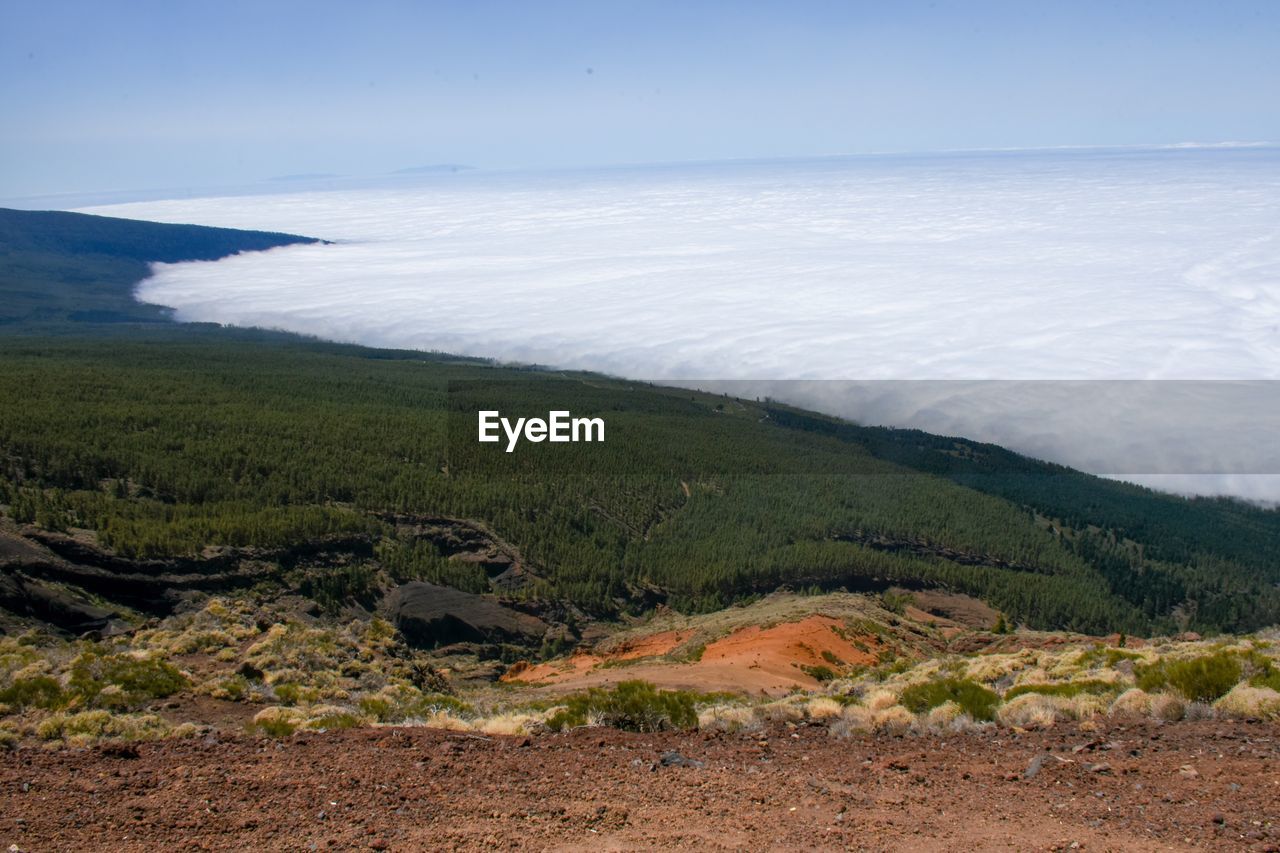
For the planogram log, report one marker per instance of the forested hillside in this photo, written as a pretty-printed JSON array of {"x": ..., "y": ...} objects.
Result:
[
  {"x": 58, "y": 268},
  {"x": 164, "y": 440},
  {"x": 164, "y": 447}
]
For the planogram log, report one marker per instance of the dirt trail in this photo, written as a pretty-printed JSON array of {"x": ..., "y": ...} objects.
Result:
[{"x": 1137, "y": 787}]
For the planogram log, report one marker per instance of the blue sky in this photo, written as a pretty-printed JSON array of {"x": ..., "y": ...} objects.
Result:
[{"x": 120, "y": 95}]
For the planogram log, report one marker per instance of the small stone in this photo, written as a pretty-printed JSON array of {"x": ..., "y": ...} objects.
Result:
[{"x": 675, "y": 759}]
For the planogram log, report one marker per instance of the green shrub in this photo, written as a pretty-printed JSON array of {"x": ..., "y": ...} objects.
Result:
[
  {"x": 1202, "y": 679},
  {"x": 234, "y": 688},
  {"x": 287, "y": 694},
  {"x": 396, "y": 706},
  {"x": 977, "y": 701},
  {"x": 635, "y": 706},
  {"x": 890, "y": 667},
  {"x": 896, "y": 601},
  {"x": 1262, "y": 671},
  {"x": 1066, "y": 689},
  {"x": 36, "y": 691},
  {"x": 334, "y": 719},
  {"x": 1102, "y": 655},
  {"x": 822, "y": 673},
  {"x": 1270, "y": 678},
  {"x": 139, "y": 679},
  {"x": 276, "y": 727},
  {"x": 276, "y": 722}
]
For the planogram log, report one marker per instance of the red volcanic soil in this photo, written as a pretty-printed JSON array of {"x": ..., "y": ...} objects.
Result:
[
  {"x": 752, "y": 659},
  {"x": 1136, "y": 786}
]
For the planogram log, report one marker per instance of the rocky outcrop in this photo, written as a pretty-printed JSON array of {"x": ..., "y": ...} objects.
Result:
[
  {"x": 156, "y": 585},
  {"x": 29, "y": 597},
  {"x": 429, "y": 616},
  {"x": 468, "y": 541}
]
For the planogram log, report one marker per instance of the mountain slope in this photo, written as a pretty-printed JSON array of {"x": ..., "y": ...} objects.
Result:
[
  {"x": 182, "y": 457},
  {"x": 58, "y": 267}
]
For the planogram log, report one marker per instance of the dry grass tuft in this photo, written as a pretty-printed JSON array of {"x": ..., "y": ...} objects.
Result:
[
  {"x": 822, "y": 708},
  {"x": 1245, "y": 702},
  {"x": 894, "y": 720},
  {"x": 853, "y": 720},
  {"x": 881, "y": 699},
  {"x": 1029, "y": 711},
  {"x": 728, "y": 718},
  {"x": 1133, "y": 702}
]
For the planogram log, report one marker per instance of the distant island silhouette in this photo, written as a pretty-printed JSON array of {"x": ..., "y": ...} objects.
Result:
[{"x": 435, "y": 167}]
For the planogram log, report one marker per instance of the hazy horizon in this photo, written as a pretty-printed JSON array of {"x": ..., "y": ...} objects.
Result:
[{"x": 186, "y": 96}]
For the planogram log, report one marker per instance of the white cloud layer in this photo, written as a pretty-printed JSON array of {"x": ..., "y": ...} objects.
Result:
[{"x": 1052, "y": 265}]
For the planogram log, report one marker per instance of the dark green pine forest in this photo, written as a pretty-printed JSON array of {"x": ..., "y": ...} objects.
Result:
[{"x": 166, "y": 439}]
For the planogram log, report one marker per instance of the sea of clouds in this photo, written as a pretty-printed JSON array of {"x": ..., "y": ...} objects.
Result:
[{"x": 1063, "y": 265}]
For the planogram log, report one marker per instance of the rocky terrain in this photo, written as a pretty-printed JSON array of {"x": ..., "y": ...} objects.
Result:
[
  {"x": 433, "y": 719},
  {"x": 1131, "y": 786}
]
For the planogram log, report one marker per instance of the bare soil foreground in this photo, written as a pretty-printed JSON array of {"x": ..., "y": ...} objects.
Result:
[{"x": 1125, "y": 786}]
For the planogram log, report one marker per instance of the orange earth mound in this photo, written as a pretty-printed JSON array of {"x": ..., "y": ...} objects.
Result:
[{"x": 752, "y": 659}]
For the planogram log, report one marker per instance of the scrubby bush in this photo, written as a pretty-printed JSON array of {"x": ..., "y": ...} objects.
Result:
[
  {"x": 894, "y": 720},
  {"x": 947, "y": 717},
  {"x": 896, "y": 601},
  {"x": 233, "y": 688},
  {"x": 1167, "y": 707},
  {"x": 1029, "y": 711},
  {"x": 138, "y": 679},
  {"x": 632, "y": 705},
  {"x": 1260, "y": 669},
  {"x": 91, "y": 723},
  {"x": 822, "y": 708},
  {"x": 1104, "y": 656},
  {"x": 820, "y": 672},
  {"x": 1200, "y": 679},
  {"x": 1066, "y": 689},
  {"x": 329, "y": 717},
  {"x": 728, "y": 718},
  {"x": 976, "y": 701},
  {"x": 854, "y": 719},
  {"x": 789, "y": 710},
  {"x": 277, "y": 721},
  {"x": 400, "y": 703},
  {"x": 1134, "y": 701},
  {"x": 88, "y": 726},
  {"x": 514, "y": 723},
  {"x": 988, "y": 668},
  {"x": 1247, "y": 702},
  {"x": 879, "y": 699},
  {"x": 33, "y": 691}
]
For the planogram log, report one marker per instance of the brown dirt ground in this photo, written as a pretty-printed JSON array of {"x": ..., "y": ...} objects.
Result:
[
  {"x": 1130, "y": 786},
  {"x": 951, "y": 608},
  {"x": 752, "y": 659}
]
